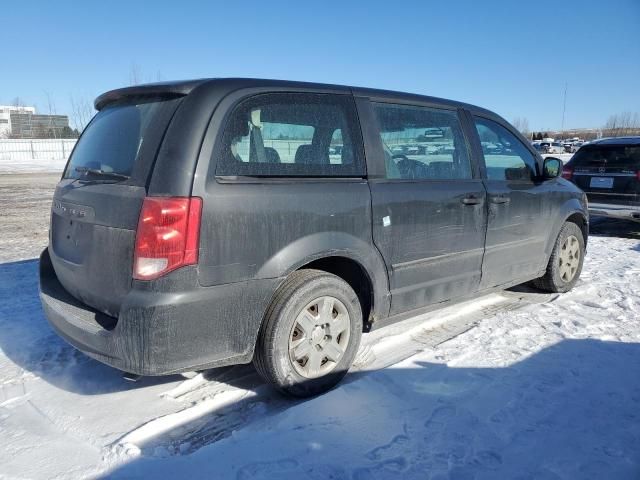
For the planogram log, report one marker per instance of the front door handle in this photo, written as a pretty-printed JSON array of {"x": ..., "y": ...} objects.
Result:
[
  {"x": 500, "y": 199},
  {"x": 471, "y": 200}
]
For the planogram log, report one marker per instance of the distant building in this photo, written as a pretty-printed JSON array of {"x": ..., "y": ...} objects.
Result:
[
  {"x": 5, "y": 117},
  {"x": 30, "y": 125},
  {"x": 23, "y": 122}
]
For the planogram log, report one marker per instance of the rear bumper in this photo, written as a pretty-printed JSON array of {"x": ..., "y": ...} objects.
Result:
[
  {"x": 158, "y": 333},
  {"x": 630, "y": 212}
]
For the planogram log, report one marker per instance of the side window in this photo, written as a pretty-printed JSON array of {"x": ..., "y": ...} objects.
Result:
[
  {"x": 422, "y": 143},
  {"x": 505, "y": 157},
  {"x": 291, "y": 134}
]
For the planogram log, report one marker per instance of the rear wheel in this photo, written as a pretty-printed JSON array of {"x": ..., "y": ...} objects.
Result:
[
  {"x": 310, "y": 335},
  {"x": 565, "y": 263}
]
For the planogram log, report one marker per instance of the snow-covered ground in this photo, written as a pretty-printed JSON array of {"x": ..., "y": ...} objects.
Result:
[
  {"x": 513, "y": 385},
  {"x": 32, "y": 165}
]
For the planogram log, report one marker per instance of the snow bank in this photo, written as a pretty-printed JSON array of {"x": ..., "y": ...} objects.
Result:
[{"x": 27, "y": 166}]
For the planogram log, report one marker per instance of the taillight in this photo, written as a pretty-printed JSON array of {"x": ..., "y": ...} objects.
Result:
[
  {"x": 567, "y": 172},
  {"x": 167, "y": 236}
]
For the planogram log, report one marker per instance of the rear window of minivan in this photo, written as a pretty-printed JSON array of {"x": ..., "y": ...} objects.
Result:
[
  {"x": 292, "y": 135},
  {"x": 613, "y": 156},
  {"x": 118, "y": 136}
]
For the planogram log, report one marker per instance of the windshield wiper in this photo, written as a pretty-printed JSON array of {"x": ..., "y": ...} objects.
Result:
[{"x": 101, "y": 173}]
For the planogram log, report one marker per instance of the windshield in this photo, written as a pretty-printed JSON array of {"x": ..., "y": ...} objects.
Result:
[
  {"x": 111, "y": 144},
  {"x": 614, "y": 156}
]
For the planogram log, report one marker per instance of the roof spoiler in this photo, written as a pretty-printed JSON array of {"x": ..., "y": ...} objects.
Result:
[{"x": 164, "y": 90}]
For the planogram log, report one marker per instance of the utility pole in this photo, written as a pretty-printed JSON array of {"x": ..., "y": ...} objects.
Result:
[{"x": 564, "y": 108}]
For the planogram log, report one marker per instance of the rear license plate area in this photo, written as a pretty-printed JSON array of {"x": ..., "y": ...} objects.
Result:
[
  {"x": 69, "y": 238},
  {"x": 601, "y": 182}
]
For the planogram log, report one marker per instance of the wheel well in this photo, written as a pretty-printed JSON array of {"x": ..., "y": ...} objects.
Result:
[
  {"x": 354, "y": 274},
  {"x": 579, "y": 220}
]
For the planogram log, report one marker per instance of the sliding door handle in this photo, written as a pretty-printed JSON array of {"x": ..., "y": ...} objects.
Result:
[
  {"x": 471, "y": 200},
  {"x": 498, "y": 199}
]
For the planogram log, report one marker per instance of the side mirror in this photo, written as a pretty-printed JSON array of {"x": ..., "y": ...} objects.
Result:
[{"x": 551, "y": 168}]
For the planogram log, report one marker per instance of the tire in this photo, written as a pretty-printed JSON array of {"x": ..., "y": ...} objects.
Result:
[
  {"x": 561, "y": 276},
  {"x": 299, "y": 344}
]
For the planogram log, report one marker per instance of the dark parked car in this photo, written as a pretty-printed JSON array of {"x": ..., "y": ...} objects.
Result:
[
  {"x": 609, "y": 171},
  {"x": 200, "y": 224}
]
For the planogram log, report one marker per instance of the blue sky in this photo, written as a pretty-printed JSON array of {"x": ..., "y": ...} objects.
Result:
[{"x": 509, "y": 56}]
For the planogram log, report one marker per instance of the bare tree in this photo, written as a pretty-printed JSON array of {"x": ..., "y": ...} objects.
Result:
[
  {"x": 622, "y": 124},
  {"x": 81, "y": 112},
  {"x": 52, "y": 111},
  {"x": 17, "y": 102},
  {"x": 135, "y": 76},
  {"x": 522, "y": 125},
  {"x": 40, "y": 131}
]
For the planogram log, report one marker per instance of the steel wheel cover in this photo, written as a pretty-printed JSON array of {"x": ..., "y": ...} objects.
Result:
[
  {"x": 569, "y": 258},
  {"x": 319, "y": 337}
]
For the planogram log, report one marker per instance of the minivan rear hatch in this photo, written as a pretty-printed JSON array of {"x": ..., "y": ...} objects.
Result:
[
  {"x": 98, "y": 201},
  {"x": 608, "y": 173}
]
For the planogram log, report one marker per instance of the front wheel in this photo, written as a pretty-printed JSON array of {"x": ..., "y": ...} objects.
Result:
[
  {"x": 565, "y": 263},
  {"x": 310, "y": 335}
]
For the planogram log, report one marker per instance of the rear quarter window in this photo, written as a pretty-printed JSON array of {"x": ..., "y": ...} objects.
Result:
[{"x": 291, "y": 135}]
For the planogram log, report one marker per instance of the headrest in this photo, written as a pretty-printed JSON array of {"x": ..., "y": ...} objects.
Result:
[
  {"x": 271, "y": 155},
  {"x": 238, "y": 126},
  {"x": 347, "y": 154},
  {"x": 517, "y": 173},
  {"x": 255, "y": 118},
  {"x": 441, "y": 169},
  {"x": 305, "y": 154}
]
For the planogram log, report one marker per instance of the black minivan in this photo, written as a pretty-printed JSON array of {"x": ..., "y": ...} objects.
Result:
[{"x": 222, "y": 221}]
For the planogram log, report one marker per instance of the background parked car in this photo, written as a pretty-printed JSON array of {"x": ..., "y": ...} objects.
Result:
[
  {"x": 556, "y": 147},
  {"x": 549, "y": 145},
  {"x": 608, "y": 170}
]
